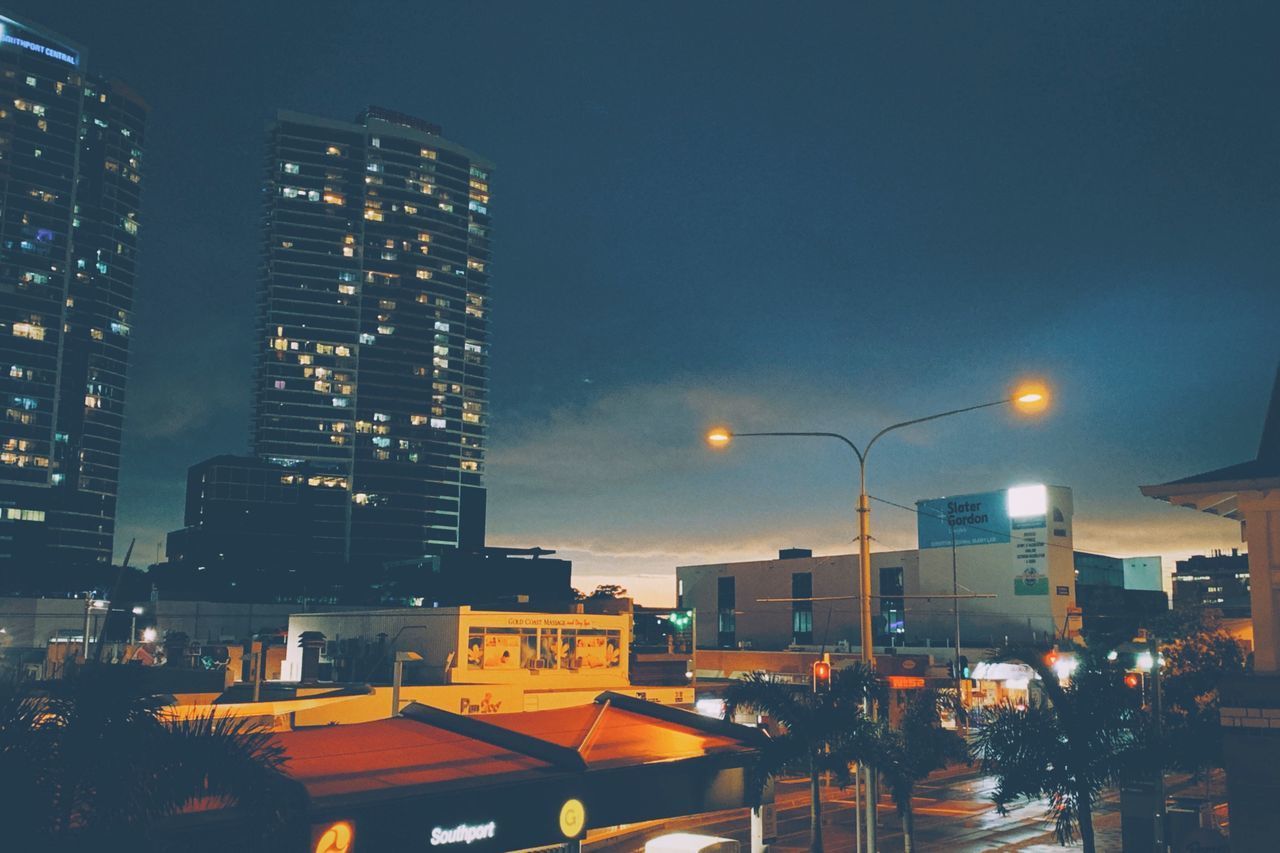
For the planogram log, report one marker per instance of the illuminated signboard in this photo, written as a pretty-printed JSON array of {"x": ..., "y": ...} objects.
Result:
[
  {"x": 463, "y": 833},
  {"x": 981, "y": 519},
  {"x": 573, "y": 817},
  {"x": 12, "y": 34},
  {"x": 906, "y": 682},
  {"x": 334, "y": 838}
]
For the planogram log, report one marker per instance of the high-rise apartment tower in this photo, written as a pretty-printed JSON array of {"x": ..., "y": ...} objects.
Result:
[
  {"x": 70, "y": 177},
  {"x": 374, "y": 324}
]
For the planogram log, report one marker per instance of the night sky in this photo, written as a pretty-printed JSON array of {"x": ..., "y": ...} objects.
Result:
[{"x": 778, "y": 216}]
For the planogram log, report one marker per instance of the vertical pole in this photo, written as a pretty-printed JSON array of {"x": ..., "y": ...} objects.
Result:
[
  {"x": 257, "y": 651},
  {"x": 88, "y": 610},
  {"x": 857, "y": 811},
  {"x": 868, "y": 649},
  {"x": 1157, "y": 703},
  {"x": 693, "y": 649},
  {"x": 396, "y": 676},
  {"x": 955, "y": 607}
]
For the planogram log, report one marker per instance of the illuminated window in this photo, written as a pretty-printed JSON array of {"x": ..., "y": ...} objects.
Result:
[
  {"x": 428, "y": 153},
  {"x": 366, "y": 338},
  {"x": 333, "y": 198},
  {"x": 28, "y": 330},
  {"x": 437, "y": 423},
  {"x": 333, "y": 151},
  {"x": 291, "y": 168}
]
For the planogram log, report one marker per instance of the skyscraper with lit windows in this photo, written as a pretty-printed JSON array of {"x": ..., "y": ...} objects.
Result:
[
  {"x": 374, "y": 329},
  {"x": 71, "y": 175}
]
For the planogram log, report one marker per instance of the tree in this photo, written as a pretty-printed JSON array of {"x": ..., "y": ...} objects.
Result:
[
  {"x": 1066, "y": 746},
  {"x": 820, "y": 732},
  {"x": 608, "y": 591},
  {"x": 1195, "y": 663},
  {"x": 919, "y": 746},
  {"x": 93, "y": 762}
]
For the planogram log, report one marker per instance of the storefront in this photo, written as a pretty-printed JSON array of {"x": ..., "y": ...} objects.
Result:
[
  {"x": 1000, "y": 683},
  {"x": 431, "y": 779}
]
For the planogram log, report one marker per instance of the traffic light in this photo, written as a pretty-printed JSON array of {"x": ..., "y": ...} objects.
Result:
[
  {"x": 951, "y": 669},
  {"x": 821, "y": 676},
  {"x": 1132, "y": 680},
  {"x": 678, "y": 618},
  {"x": 964, "y": 667},
  {"x": 1051, "y": 658}
]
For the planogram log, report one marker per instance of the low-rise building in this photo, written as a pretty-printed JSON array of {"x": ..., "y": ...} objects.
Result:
[{"x": 1217, "y": 580}]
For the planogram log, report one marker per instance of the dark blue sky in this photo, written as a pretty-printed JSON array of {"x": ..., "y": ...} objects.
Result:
[{"x": 784, "y": 216}]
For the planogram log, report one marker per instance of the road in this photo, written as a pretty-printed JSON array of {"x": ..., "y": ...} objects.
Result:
[{"x": 953, "y": 813}]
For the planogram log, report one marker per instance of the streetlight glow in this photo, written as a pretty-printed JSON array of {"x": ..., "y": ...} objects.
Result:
[
  {"x": 1030, "y": 398},
  {"x": 719, "y": 437}
]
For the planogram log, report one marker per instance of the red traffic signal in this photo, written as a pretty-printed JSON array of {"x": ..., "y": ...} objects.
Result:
[
  {"x": 1051, "y": 658},
  {"x": 821, "y": 676},
  {"x": 1132, "y": 679}
]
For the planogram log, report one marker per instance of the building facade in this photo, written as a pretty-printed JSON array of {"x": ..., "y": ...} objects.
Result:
[
  {"x": 996, "y": 567},
  {"x": 1218, "y": 580},
  {"x": 374, "y": 325},
  {"x": 71, "y": 147},
  {"x": 258, "y": 528}
]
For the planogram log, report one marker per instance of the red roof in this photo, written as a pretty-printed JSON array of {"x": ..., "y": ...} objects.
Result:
[
  {"x": 392, "y": 753},
  {"x": 623, "y": 737},
  {"x": 401, "y": 752}
]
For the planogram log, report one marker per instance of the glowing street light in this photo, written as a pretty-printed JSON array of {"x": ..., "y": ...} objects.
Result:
[
  {"x": 1030, "y": 398},
  {"x": 1027, "y": 397},
  {"x": 719, "y": 437}
]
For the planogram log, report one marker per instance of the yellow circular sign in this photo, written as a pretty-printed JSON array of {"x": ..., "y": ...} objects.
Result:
[
  {"x": 336, "y": 838},
  {"x": 573, "y": 817}
]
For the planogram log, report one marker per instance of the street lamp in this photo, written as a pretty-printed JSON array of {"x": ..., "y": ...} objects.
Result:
[
  {"x": 133, "y": 625},
  {"x": 397, "y": 677},
  {"x": 1030, "y": 397}
]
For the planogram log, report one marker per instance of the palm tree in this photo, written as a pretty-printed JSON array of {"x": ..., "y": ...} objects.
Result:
[
  {"x": 95, "y": 759},
  {"x": 1067, "y": 746},
  {"x": 820, "y": 731},
  {"x": 919, "y": 746}
]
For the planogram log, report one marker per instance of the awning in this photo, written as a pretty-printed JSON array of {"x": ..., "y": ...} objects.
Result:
[{"x": 431, "y": 778}]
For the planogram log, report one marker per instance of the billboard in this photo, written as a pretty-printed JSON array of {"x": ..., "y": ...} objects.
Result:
[
  {"x": 981, "y": 519},
  {"x": 1015, "y": 516}
]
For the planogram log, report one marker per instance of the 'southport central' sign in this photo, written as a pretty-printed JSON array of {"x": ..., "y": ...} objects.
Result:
[{"x": 463, "y": 833}]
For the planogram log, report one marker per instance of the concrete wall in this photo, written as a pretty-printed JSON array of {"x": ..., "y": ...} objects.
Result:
[
  {"x": 1143, "y": 573},
  {"x": 996, "y": 569},
  {"x": 768, "y": 624},
  {"x": 438, "y": 633}
]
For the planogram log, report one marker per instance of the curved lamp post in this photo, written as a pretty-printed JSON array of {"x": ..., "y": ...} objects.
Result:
[{"x": 1030, "y": 398}]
